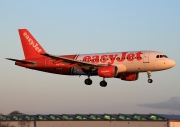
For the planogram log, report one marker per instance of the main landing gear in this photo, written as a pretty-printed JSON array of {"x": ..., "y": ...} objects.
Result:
[
  {"x": 88, "y": 81},
  {"x": 149, "y": 75},
  {"x": 103, "y": 83}
]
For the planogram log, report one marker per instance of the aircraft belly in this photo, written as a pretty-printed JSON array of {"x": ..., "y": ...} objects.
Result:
[
  {"x": 77, "y": 71},
  {"x": 136, "y": 66}
]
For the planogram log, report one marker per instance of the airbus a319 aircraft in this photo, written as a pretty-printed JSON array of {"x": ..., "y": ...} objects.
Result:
[{"x": 122, "y": 65}]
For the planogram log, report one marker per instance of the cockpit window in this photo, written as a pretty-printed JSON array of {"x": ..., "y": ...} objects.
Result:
[
  {"x": 165, "y": 56},
  {"x": 161, "y": 56}
]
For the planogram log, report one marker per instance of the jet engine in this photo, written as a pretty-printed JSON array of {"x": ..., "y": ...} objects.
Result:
[
  {"x": 128, "y": 76},
  {"x": 107, "y": 72}
]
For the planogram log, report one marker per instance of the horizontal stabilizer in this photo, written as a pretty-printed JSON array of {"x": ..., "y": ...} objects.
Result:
[{"x": 21, "y": 61}]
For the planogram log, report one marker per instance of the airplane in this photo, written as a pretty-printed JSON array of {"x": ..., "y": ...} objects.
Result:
[{"x": 122, "y": 65}]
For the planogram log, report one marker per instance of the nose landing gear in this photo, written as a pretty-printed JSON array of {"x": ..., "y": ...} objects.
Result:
[{"x": 149, "y": 75}]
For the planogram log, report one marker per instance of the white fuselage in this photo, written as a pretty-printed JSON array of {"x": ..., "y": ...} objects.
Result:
[{"x": 133, "y": 61}]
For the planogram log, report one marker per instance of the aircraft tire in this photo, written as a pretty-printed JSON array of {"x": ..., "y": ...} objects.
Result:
[
  {"x": 150, "y": 80},
  {"x": 103, "y": 83},
  {"x": 88, "y": 81}
]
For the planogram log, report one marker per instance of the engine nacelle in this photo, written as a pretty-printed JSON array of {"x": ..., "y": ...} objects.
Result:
[
  {"x": 107, "y": 72},
  {"x": 129, "y": 76}
]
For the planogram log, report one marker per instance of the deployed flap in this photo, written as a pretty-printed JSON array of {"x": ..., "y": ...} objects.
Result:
[{"x": 21, "y": 61}]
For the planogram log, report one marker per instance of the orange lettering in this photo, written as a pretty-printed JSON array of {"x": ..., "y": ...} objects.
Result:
[
  {"x": 87, "y": 58},
  {"x": 95, "y": 59},
  {"x": 130, "y": 57},
  {"x": 122, "y": 58},
  {"x": 138, "y": 55},
  {"x": 103, "y": 58},
  {"x": 112, "y": 58}
]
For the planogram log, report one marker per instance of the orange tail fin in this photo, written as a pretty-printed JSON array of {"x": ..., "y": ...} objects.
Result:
[{"x": 31, "y": 48}]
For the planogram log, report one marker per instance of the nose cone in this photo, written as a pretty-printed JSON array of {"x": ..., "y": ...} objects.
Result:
[{"x": 172, "y": 63}]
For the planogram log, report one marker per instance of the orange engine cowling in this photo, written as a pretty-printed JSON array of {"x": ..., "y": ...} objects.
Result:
[
  {"x": 129, "y": 76},
  {"x": 107, "y": 72}
]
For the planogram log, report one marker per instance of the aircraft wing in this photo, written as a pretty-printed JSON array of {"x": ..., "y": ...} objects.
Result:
[
  {"x": 73, "y": 62},
  {"x": 21, "y": 61}
]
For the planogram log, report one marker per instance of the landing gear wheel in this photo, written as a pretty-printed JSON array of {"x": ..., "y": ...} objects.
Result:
[
  {"x": 149, "y": 76},
  {"x": 150, "y": 80},
  {"x": 88, "y": 81},
  {"x": 103, "y": 83}
]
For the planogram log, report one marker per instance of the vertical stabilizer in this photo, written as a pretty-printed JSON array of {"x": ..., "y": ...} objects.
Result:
[{"x": 31, "y": 48}]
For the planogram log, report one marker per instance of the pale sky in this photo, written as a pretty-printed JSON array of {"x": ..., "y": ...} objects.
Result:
[{"x": 89, "y": 26}]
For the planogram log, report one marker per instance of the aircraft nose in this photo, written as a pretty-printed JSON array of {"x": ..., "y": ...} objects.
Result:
[{"x": 172, "y": 63}]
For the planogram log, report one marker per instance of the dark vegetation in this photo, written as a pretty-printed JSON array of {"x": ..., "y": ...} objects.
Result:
[{"x": 21, "y": 123}]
